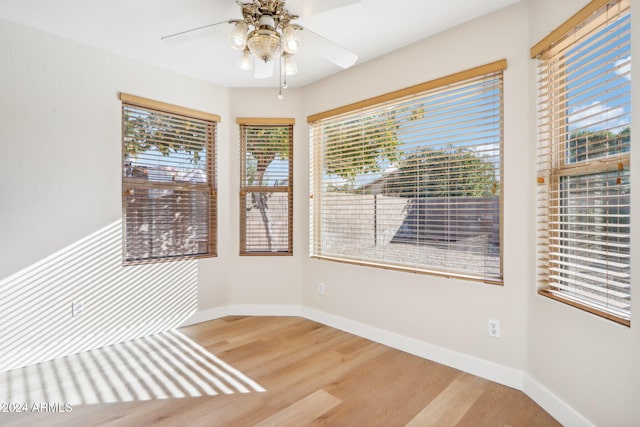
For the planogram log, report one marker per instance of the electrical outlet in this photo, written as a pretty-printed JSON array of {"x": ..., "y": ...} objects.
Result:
[
  {"x": 77, "y": 309},
  {"x": 321, "y": 288},
  {"x": 494, "y": 328}
]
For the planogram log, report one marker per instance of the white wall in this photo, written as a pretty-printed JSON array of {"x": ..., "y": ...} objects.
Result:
[
  {"x": 591, "y": 363},
  {"x": 444, "y": 312},
  {"x": 59, "y": 104},
  {"x": 581, "y": 367},
  {"x": 265, "y": 279},
  {"x": 60, "y": 200}
]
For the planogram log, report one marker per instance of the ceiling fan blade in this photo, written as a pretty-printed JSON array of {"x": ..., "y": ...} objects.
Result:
[
  {"x": 307, "y": 7},
  {"x": 314, "y": 42},
  {"x": 261, "y": 69},
  {"x": 192, "y": 30}
]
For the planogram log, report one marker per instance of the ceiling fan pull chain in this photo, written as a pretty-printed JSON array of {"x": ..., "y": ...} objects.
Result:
[{"x": 280, "y": 95}]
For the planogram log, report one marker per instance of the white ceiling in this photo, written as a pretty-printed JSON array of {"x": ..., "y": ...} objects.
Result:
[{"x": 133, "y": 28}]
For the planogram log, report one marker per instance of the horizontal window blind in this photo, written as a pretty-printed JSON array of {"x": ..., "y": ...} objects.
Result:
[
  {"x": 584, "y": 141},
  {"x": 413, "y": 183},
  {"x": 169, "y": 200},
  {"x": 266, "y": 192}
]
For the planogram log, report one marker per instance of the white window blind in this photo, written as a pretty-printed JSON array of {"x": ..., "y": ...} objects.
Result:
[
  {"x": 584, "y": 141},
  {"x": 266, "y": 189},
  {"x": 412, "y": 180},
  {"x": 169, "y": 200}
]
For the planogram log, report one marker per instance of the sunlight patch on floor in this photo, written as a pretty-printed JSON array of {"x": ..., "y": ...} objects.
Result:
[{"x": 162, "y": 366}]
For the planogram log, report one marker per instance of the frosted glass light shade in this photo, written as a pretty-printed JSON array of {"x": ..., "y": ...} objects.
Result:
[
  {"x": 238, "y": 36},
  {"x": 264, "y": 44},
  {"x": 291, "y": 41},
  {"x": 246, "y": 61},
  {"x": 290, "y": 66}
]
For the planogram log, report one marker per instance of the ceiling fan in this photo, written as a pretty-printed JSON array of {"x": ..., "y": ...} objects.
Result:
[{"x": 268, "y": 33}]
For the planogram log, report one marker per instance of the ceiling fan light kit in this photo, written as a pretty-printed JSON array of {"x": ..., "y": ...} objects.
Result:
[
  {"x": 266, "y": 34},
  {"x": 266, "y": 29}
]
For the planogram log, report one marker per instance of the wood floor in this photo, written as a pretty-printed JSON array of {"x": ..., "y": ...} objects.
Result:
[{"x": 279, "y": 371}]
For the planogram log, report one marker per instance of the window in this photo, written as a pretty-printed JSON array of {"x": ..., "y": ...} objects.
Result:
[
  {"x": 411, "y": 180},
  {"x": 266, "y": 188},
  {"x": 584, "y": 139},
  {"x": 168, "y": 181}
]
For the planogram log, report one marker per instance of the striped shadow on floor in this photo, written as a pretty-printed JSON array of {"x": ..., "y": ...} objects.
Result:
[{"x": 162, "y": 366}]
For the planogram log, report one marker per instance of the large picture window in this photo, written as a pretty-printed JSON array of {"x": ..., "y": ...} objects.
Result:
[
  {"x": 584, "y": 141},
  {"x": 266, "y": 189},
  {"x": 412, "y": 180},
  {"x": 168, "y": 181}
]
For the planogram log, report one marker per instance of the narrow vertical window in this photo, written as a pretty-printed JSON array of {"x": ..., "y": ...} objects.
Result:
[
  {"x": 266, "y": 187},
  {"x": 168, "y": 181},
  {"x": 584, "y": 142}
]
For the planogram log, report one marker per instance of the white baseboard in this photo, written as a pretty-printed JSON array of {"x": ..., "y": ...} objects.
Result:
[
  {"x": 265, "y": 310},
  {"x": 243, "y": 310},
  {"x": 510, "y": 377},
  {"x": 206, "y": 315},
  {"x": 473, "y": 365},
  {"x": 565, "y": 414}
]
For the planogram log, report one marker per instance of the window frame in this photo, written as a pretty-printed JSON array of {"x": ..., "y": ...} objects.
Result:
[
  {"x": 210, "y": 187},
  {"x": 436, "y": 84},
  {"x": 265, "y": 122},
  {"x": 552, "y": 155}
]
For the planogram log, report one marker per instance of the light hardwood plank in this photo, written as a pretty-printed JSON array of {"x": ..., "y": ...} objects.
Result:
[
  {"x": 303, "y": 411},
  {"x": 312, "y": 375},
  {"x": 449, "y": 407}
]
